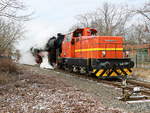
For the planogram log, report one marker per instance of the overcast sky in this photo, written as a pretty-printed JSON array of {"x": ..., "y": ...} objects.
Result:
[{"x": 53, "y": 16}]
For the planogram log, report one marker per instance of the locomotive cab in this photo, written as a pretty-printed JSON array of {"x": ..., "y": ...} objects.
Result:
[{"x": 84, "y": 32}]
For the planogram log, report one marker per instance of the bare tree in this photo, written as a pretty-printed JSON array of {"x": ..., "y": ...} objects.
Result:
[
  {"x": 108, "y": 20},
  {"x": 10, "y": 8},
  {"x": 145, "y": 11},
  {"x": 10, "y": 22},
  {"x": 111, "y": 20},
  {"x": 139, "y": 32},
  {"x": 9, "y": 33}
]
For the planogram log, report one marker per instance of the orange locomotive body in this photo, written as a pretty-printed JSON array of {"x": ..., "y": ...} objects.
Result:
[
  {"x": 102, "y": 56},
  {"x": 92, "y": 47}
]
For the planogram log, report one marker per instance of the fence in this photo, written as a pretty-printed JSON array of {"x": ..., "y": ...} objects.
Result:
[
  {"x": 141, "y": 61},
  {"x": 140, "y": 54}
]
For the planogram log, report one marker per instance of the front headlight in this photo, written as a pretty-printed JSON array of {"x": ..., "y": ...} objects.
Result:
[
  {"x": 126, "y": 53},
  {"x": 103, "y": 53}
]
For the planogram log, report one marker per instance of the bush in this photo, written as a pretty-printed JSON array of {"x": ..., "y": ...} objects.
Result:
[
  {"x": 7, "y": 65},
  {"x": 8, "y": 71}
]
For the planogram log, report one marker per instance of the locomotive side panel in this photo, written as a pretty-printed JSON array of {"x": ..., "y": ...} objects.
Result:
[
  {"x": 112, "y": 46},
  {"x": 66, "y": 50},
  {"x": 99, "y": 47},
  {"x": 86, "y": 47},
  {"x": 92, "y": 50}
]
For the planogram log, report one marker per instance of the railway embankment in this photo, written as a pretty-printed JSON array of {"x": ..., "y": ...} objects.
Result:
[
  {"x": 50, "y": 91},
  {"x": 44, "y": 91}
]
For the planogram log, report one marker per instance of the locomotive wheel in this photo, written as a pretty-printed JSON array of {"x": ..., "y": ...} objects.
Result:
[
  {"x": 71, "y": 69},
  {"x": 83, "y": 70},
  {"x": 76, "y": 69},
  {"x": 68, "y": 68}
]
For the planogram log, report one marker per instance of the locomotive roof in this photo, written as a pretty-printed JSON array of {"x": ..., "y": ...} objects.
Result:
[{"x": 78, "y": 30}]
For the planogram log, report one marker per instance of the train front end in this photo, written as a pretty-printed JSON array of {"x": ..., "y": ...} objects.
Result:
[{"x": 111, "y": 59}]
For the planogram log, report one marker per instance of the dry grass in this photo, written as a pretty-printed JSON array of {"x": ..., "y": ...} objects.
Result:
[
  {"x": 6, "y": 78},
  {"x": 8, "y": 71},
  {"x": 6, "y": 65},
  {"x": 142, "y": 73}
]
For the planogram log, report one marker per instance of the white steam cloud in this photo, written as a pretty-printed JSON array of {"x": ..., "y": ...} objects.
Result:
[
  {"x": 37, "y": 36},
  {"x": 24, "y": 48}
]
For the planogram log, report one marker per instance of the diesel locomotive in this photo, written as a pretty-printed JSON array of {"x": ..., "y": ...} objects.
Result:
[{"x": 84, "y": 52}]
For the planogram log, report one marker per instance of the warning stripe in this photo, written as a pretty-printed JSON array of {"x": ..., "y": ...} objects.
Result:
[
  {"x": 127, "y": 71},
  {"x": 119, "y": 71},
  {"x": 99, "y": 49},
  {"x": 114, "y": 74},
  {"x": 99, "y": 72},
  {"x": 106, "y": 72},
  {"x": 94, "y": 70}
]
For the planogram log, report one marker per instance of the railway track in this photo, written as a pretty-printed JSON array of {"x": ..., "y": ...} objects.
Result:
[
  {"x": 129, "y": 88},
  {"x": 145, "y": 86}
]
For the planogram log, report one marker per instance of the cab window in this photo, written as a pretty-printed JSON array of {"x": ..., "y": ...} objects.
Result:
[{"x": 68, "y": 37}]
